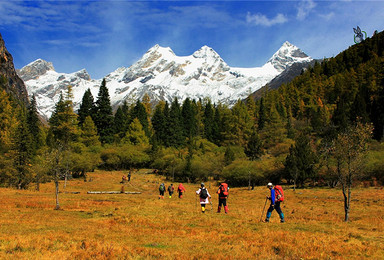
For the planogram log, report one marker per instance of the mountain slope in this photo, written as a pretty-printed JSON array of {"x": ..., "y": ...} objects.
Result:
[
  {"x": 14, "y": 84},
  {"x": 163, "y": 76}
]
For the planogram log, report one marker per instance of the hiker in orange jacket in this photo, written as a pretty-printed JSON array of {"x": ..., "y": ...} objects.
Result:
[
  {"x": 180, "y": 190},
  {"x": 223, "y": 195}
]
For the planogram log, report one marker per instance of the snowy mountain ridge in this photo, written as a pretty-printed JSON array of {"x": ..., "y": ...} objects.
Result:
[{"x": 163, "y": 76}]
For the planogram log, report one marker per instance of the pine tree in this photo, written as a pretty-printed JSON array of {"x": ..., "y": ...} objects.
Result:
[
  {"x": 22, "y": 153},
  {"x": 34, "y": 124},
  {"x": 175, "y": 127},
  {"x": 208, "y": 121},
  {"x": 254, "y": 147},
  {"x": 120, "y": 123},
  {"x": 300, "y": 163},
  {"x": 86, "y": 107},
  {"x": 135, "y": 134},
  {"x": 103, "y": 117},
  {"x": 241, "y": 125},
  {"x": 158, "y": 123},
  {"x": 63, "y": 122},
  {"x": 8, "y": 121},
  {"x": 89, "y": 133},
  {"x": 139, "y": 111},
  {"x": 229, "y": 155},
  {"x": 188, "y": 115},
  {"x": 262, "y": 115}
]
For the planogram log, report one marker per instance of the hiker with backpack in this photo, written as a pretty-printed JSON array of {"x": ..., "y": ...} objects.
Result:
[
  {"x": 161, "y": 190},
  {"x": 180, "y": 190},
  {"x": 223, "y": 195},
  {"x": 277, "y": 196},
  {"x": 204, "y": 197},
  {"x": 171, "y": 189}
]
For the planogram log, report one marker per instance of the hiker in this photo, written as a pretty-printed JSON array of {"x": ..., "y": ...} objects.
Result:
[
  {"x": 161, "y": 190},
  {"x": 129, "y": 176},
  {"x": 171, "y": 189},
  {"x": 124, "y": 179},
  {"x": 223, "y": 195},
  {"x": 180, "y": 190},
  {"x": 204, "y": 197},
  {"x": 277, "y": 196}
]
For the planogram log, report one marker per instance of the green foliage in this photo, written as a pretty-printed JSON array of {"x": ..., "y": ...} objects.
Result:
[
  {"x": 139, "y": 111},
  {"x": 301, "y": 161},
  {"x": 135, "y": 134},
  {"x": 22, "y": 153},
  {"x": 124, "y": 157},
  {"x": 63, "y": 123},
  {"x": 103, "y": 117},
  {"x": 87, "y": 106},
  {"x": 241, "y": 171},
  {"x": 88, "y": 134}
]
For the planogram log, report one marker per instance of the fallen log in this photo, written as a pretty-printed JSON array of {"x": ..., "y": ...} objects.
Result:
[
  {"x": 70, "y": 192},
  {"x": 113, "y": 192}
]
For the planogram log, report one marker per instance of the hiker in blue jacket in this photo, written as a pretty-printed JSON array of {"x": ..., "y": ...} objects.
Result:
[{"x": 275, "y": 204}]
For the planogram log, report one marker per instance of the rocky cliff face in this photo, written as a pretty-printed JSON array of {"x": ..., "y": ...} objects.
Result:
[{"x": 14, "y": 84}]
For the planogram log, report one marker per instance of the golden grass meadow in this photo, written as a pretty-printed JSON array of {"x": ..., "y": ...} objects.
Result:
[{"x": 140, "y": 226}]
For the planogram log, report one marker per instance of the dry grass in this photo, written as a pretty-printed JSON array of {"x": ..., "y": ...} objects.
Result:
[{"x": 141, "y": 226}]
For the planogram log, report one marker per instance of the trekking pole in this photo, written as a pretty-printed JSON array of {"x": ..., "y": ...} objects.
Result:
[{"x": 262, "y": 213}]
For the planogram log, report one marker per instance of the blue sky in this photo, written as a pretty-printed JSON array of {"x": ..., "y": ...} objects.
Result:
[{"x": 101, "y": 36}]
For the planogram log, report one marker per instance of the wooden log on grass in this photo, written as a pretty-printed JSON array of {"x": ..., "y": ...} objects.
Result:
[{"x": 113, "y": 192}]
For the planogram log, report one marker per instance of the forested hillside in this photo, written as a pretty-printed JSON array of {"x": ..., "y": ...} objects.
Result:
[{"x": 294, "y": 134}]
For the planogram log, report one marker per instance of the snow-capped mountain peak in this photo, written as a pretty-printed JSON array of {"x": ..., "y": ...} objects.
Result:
[
  {"x": 35, "y": 69},
  {"x": 286, "y": 56},
  {"x": 206, "y": 52},
  {"x": 162, "y": 75}
]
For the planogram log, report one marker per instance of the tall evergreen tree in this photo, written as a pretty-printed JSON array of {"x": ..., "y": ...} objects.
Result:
[
  {"x": 34, "y": 124},
  {"x": 262, "y": 115},
  {"x": 89, "y": 133},
  {"x": 87, "y": 106},
  {"x": 175, "y": 127},
  {"x": 120, "y": 123},
  {"x": 254, "y": 147},
  {"x": 188, "y": 115},
  {"x": 158, "y": 123},
  {"x": 63, "y": 123},
  {"x": 300, "y": 163},
  {"x": 139, "y": 111},
  {"x": 135, "y": 134},
  {"x": 103, "y": 116},
  {"x": 208, "y": 121},
  {"x": 22, "y": 153}
]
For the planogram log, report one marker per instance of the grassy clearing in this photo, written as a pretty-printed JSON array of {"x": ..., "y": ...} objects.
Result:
[{"x": 103, "y": 226}]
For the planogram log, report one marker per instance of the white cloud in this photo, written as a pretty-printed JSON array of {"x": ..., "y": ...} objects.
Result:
[
  {"x": 260, "y": 19},
  {"x": 304, "y": 8},
  {"x": 328, "y": 16}
]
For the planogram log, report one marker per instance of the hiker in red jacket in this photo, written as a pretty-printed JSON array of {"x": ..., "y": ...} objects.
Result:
[
  {"x": 223, "y": 195},
  {"x": 180, "y": 190},
  {"x": 204, "y": 197}
]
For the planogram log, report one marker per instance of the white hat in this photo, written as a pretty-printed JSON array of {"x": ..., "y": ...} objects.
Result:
[{"x": 269, "y": 184}]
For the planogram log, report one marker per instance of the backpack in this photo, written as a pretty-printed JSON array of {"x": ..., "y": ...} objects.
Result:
[
  {"x": 161, "y": 188},
  {"x": 203, "y": 193},
  {"x": 224, "y": 189},
  {"x": 279, "y": 193}
]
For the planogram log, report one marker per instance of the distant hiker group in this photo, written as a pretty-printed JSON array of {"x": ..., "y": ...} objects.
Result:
[
  {"x": 276, "y": 197},
  {"x": 171, "y": 190}
]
